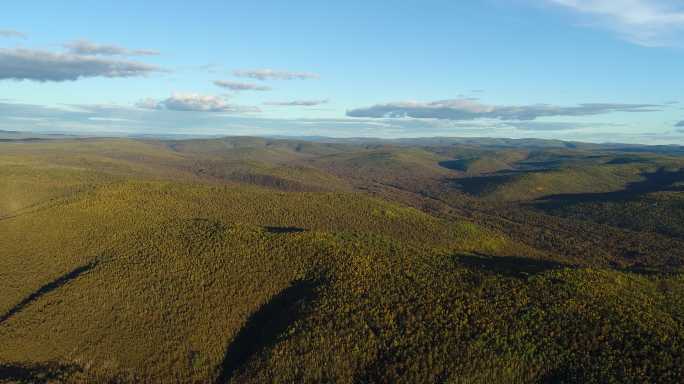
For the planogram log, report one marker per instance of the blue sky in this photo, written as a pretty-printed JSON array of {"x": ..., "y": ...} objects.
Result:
[{"x": 591, "y": 70}]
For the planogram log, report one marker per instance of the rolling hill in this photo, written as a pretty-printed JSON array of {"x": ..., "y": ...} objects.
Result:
[{"x": 269, "y": 260}]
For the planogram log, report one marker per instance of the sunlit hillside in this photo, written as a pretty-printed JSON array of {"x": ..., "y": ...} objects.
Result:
[{"x": 151, "y": 261}]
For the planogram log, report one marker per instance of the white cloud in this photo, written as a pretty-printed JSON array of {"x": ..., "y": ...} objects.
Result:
[
  {"x": 194, "y": 102},
  {"x": 111, "y": 119},
  {"x": 238, "y": 86},
  {"x": 296, "y": 103},
  {"x": 85, "y": 47},
  {"x": 38, "y": 65},
  {"x": 468, "y": 109},
  {"x": 644, "y": 22},
  {"x": 271, "y": 74}
]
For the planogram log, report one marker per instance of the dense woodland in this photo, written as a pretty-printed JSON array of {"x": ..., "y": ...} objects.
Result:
[{"x": 251, "y": 260}]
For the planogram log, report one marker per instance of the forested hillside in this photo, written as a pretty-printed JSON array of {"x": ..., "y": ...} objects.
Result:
[{"x": 263, "y": 260}]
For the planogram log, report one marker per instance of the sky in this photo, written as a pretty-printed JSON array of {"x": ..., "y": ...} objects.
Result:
[{"x": 587, "y": 70}]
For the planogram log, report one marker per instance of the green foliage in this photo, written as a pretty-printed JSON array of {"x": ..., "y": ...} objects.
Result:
[
  {"x": 254, "y": 260},
  {"x": 659, "y": 212}
]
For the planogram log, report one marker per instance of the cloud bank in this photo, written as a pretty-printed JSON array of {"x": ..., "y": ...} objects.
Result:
[
  {"x": 159, "y": 120},
  {"x": 549, "y": 126},
  {"x": 194, "y": 102},
  {"x": 468, "y": 109},
  {"x": 237, "y": 86},
  {"x": 42, "y": 66},
  {"x": 85, "y": 47},
  {"x": 296, "y": 103},
  {"x": 644, "y": 22},
  {"x": 270, "y": 74}
]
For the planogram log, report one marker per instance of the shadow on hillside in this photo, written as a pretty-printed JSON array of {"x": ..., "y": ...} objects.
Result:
[
  {"x": 36, "y": 373},
  {"x": 661, "y": 180},
  {"x": 281, "y": 230},
  {"x": 480, "y": 185},
  {"x": 646, "y": 270},
  {"x": 47, "y": 288},
  {"x": 270, "y": 181},
  {"x": 265, "y": 325},
  {"x": 628, "y": 160},
  {"x": 455, "y": 165},
  {"x": 508, "y": 266},
  {"x": 8, "y": 217}
]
